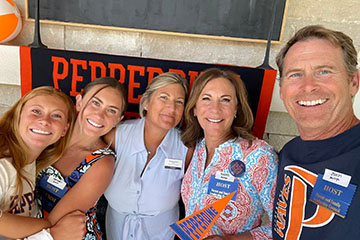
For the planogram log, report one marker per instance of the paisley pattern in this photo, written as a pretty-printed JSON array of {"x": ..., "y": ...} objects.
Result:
[{"x": 255, "y": 192}]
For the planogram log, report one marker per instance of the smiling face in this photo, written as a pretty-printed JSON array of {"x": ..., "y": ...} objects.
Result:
[
  {"x": 215, "y": 109},
  {"x": 165, "y": 107},
  {"x": 98, "y": 114},
  {"x": 316, "y": 89},
  {"x": 43, "y": 120}
]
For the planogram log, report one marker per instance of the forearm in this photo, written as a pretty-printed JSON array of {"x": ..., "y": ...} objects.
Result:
[{"x": 14, "y": 226}]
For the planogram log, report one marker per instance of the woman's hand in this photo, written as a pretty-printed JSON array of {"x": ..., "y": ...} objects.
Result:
[
  {"x": 243, "y": 236},
  {"x": 71, "y": 226}
]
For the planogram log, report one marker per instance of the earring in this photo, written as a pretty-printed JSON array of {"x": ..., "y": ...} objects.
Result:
[{"x": 235, "y": 115}]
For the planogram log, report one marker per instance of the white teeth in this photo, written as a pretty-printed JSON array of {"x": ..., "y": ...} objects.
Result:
[
  {"x": 94, "y": 124},
  {"x": 213, "y": 120},
  {"x": 312, "y": 103},
  {"x": 40, "y": 131}
]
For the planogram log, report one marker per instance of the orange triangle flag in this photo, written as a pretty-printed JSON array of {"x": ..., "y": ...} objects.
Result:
[{"x": 196, "y": 225}]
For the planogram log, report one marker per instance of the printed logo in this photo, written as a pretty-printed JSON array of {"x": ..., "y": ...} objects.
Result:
[{"x": 296, "y": 187}]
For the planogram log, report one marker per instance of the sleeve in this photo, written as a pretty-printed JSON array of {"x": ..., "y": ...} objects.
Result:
[
  {"x": 4, "y": 180},
  {"x": 269, "y": 162},
  {"x": 42, "y": 235}
]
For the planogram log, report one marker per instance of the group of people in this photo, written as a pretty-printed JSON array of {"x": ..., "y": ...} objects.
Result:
[{"x": 187, "y": 145}]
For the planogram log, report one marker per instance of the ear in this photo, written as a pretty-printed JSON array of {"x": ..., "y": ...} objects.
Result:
[
  {"x": 281, "y": 94},
  {"x": 195, "y": 112},
  {"x": 78, "y": 102},
  {"x": 65, "y": 129},
  {"x": 354, "y": 87},
  {"x": 119, "y": 119}
]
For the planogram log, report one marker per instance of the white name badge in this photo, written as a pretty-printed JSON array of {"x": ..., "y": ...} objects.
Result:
[
  {"x": 173, "y": 163},
  {"x": 224, "y": 176},
  {"x": 337, "y": 178},
  {"x": 56, "y": 182}
]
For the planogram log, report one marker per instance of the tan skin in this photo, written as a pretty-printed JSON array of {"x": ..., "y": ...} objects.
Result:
[
  {"x": 317, "y": 90},
  {"x": 164, "y": 111},
  {"x": 48, "y": 114},
  {"x": 96, "y": 118},
  {"x": 215, "y": 110}
]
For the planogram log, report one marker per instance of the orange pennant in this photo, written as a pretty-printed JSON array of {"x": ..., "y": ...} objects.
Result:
[{"x": 196, "y": 225}]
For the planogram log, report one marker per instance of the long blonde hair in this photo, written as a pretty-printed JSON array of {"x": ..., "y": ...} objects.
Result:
[{"x": 11, "y": 144}]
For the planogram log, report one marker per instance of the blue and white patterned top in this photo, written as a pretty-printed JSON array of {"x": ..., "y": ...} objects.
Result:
[{"x": 255, "y": 191}]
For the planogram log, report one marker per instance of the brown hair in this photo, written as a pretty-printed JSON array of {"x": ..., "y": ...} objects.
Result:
[
  {"x": 11, "y": 144},
  {"x": 107, "y": 82},
  {"x": 338, "y": 39},
  {"x": 242, "y": 124}
]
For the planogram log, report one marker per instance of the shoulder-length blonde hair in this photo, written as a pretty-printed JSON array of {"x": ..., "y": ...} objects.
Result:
[
  {"x": 11, "y": 144},
  {"x": 242, "y": 124}
]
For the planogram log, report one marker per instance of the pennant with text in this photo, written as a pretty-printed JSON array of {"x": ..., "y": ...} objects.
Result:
[{"x": 195, "y": 226}]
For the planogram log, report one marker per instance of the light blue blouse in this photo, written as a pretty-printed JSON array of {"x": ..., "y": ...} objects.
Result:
[{"x": 143, "y": 207}]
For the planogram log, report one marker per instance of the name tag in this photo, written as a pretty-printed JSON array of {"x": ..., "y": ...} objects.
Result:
[
  {"x": 337, "y": 178},
  {"x": 56, "y": 182},
  {"x": 173, "y": 163},
  {"x": 221, "y": 188},
  {"x": 332, "y": 196},
  {"x": 224, "y": 176}
]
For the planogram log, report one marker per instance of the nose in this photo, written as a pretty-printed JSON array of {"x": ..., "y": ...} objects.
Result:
[
  {"x": 310, "y": 83},
  {"x": 171, "y": 105},
  {"x": 45, "y": 119},
  {"x": 215, "y": 106}
]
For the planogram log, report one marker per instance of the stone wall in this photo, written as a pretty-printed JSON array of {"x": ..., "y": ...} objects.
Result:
[{"x": 334, "y": 14}]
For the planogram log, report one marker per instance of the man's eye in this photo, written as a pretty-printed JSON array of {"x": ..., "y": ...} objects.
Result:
[
  {"x": 323, "y": 72},
  {"x": 295, "y": 75}
]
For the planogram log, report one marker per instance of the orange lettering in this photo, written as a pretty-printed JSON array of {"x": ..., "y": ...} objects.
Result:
[
  {"x": 93, "y": 66},
  {"x": 117, "y": 66},
  {"x": 132, "y": 84},
  {"x": 152, "y": 71},
  {"x": 75, "y": 76},
  {"x": 56, "y": 75}
]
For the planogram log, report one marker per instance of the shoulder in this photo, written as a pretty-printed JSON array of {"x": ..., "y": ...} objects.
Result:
[
  {"x": 7, "y": 173},
  {"x": 6, "y": 166}
]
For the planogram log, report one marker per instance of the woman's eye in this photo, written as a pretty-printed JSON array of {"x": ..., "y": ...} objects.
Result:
[
  {"x": 205, "y": 98},
  {"x": 180, "y": 102},
  {"x": 36, "y": 111},
  {"x": 112, "y": 111},
  {"x": 96, "y": 103},
  {"x": 55, "y": 115},
  {"x": 226, "y": 100},
  {"x": 163, "y": 97}
]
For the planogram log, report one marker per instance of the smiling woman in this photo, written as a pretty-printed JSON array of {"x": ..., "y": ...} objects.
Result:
[
  {"x": 81, "y": 176},
  {"x": 33, "y": 134},
  {"x": 218, "y": 124},
  {"x": 144, "y": 192}
]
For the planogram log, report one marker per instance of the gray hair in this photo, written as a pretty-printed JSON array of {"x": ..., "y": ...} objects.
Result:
[{"x": 158, "y": 82}]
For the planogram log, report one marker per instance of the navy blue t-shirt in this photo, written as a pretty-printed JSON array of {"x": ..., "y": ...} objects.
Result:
[{"x": 295, "y": 217}]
